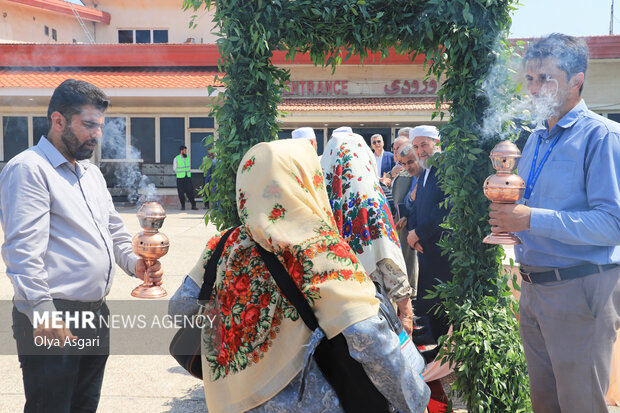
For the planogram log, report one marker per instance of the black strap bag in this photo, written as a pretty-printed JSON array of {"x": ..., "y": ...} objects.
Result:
[
  {"x": 185, "y": 346},
  {"x": 356, "y": 393}
]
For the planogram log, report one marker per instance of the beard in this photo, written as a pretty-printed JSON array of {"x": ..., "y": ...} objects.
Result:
[
  {"x": 545, "y": 107},
  {"x": 424, "y": 162},
  {"x": 79, "y": 151},
  {"x": 548, "y": 104}
]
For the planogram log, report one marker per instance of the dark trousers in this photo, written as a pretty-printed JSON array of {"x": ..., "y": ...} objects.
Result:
[
  {"x": 186, "y": 188},
  {"x": 66, "y": 380},
  {"x": 433, "y": 267}
]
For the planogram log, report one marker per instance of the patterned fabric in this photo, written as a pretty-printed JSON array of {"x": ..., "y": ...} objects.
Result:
[
  {"x": 373, "y": 344},
  {"x": 394, "y": 282},
  {"x": 360, "y": 208},
  {"x": 370, "y": 341},
  {"x": 259, "y": 347}
]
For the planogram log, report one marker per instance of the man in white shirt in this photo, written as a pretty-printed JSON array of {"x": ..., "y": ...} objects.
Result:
[
  {"x": 385, "y": 160},
  {"x": 63, "y": 240}
]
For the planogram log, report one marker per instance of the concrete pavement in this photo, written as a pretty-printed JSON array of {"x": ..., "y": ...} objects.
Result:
[{"x": 147, "y": 383}]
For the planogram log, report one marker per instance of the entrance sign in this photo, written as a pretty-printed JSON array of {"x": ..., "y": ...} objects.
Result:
[{"x": 394, "y": 87}]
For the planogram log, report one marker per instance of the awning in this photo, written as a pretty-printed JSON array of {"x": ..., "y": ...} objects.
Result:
[
  {"x": 106, "y": 79},
  {"x": 360, "y": 104}
]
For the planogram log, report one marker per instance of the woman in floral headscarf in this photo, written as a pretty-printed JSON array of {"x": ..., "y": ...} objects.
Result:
[
  {"x": 283, "y": 206},
  {"x": 364, "y": 219}
]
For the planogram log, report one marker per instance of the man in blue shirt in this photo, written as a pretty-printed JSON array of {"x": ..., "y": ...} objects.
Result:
[{"x": 569, "y": 221}]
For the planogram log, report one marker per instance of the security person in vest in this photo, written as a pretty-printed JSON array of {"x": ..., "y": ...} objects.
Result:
[{"x": 181, "y": 167}]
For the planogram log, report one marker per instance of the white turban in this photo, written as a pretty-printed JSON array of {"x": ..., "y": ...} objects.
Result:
[
  {"x": 345, "y": 129},
  {"x": 424, "y": 130},
  {"x": 305, "y": 132}
]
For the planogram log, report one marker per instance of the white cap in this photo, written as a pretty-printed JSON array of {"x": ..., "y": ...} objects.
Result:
[
  {"x": 346, "y": 129},
  {"x": 305, "y": 132},
  {"x": 424, "y": 130}
]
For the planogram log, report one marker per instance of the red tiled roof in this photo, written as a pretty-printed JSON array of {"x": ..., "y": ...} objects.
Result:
[
  {"x": 370, "y": 104},
  {"x": 197, "y": 55},
  {"x": 183, "y": 79},
  {"x": 604, "y": 47},
  {"x": 63, "y": 7},
  {"x": 108, "y": 55},
  {"x": 600, "y": 47}
]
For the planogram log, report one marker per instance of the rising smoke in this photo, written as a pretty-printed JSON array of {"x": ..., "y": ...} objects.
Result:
[
  {"x": 127, "y": 172},
  {"x": 511, "y": 108}
]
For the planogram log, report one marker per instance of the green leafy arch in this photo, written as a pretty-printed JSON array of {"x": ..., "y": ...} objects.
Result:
[{"x": 459, "y": 39}]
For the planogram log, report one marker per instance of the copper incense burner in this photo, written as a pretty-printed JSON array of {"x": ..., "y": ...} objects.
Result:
[
  {"x": 504, "y": 187},
  {"x": 150, "y": 244}
]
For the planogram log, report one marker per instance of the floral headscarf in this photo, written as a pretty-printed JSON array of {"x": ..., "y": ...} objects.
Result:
[
  {"x": 360, "y": 208},
  {"x": 283, "y": 205}
]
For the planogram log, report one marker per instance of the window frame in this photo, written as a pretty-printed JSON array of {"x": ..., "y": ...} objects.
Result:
[
  {"x": 98, "y": 156},
  {"x": 134, "y": 32}
]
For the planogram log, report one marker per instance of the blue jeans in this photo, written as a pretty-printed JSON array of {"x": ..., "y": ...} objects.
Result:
[{"x": 61, "y": 380}]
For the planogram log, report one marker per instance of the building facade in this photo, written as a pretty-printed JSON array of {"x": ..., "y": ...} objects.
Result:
[{"x": 156, "y": 70}]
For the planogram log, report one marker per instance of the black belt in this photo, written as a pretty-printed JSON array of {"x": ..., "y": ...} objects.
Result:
[
  {"x": 558, "y": 274},
  {"x": 65, "y": 305}
]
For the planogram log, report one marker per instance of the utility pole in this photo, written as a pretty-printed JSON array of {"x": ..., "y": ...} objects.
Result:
[{"x": 611, "y": 19}]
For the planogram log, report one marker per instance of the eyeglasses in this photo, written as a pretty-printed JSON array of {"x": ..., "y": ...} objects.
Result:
[{"x": 375, "y": 142}]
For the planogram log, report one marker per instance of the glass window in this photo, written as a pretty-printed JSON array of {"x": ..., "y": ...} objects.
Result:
[
  {"x": 125, "y": 36},
  {"x": 614, "y": 116},
  {"x": 285, "y": 134},
  {"x": 143, "y": 138},
  {"x": 319, "y": 141},
  {"x": 206, "y": 123},
  {"x": 40, "y": 127},
  {"x": 160, "y": 36},
  {"x": 143, "y": 36},
  {"x": 198, "y": 147},
  {"x": 171, "y": 137},
  {"x": 114, "y": 142},
  {"x": 54, "y": 35},
  {"x": 15, "y": 135}
]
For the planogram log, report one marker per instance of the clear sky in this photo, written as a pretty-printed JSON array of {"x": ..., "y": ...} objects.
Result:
[{"x": 535, "y": 18}]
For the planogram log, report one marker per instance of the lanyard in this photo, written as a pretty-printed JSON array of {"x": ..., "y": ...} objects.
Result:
[{"x": 534, "y": 171}]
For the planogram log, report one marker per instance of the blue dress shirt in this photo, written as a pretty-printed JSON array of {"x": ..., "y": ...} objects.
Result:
[{"x": 575, "y": 216}]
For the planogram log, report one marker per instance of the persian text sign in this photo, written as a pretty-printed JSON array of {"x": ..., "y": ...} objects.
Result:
[
  {"x": 414, "y": 87},
  {"x": 341, "y": 88}
]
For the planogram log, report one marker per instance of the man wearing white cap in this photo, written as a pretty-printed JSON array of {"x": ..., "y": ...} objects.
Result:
[
  {"x": 307, "y": 133},
  {"x": 426, "y": 215},
  {"x": 345, "y": 129}
]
